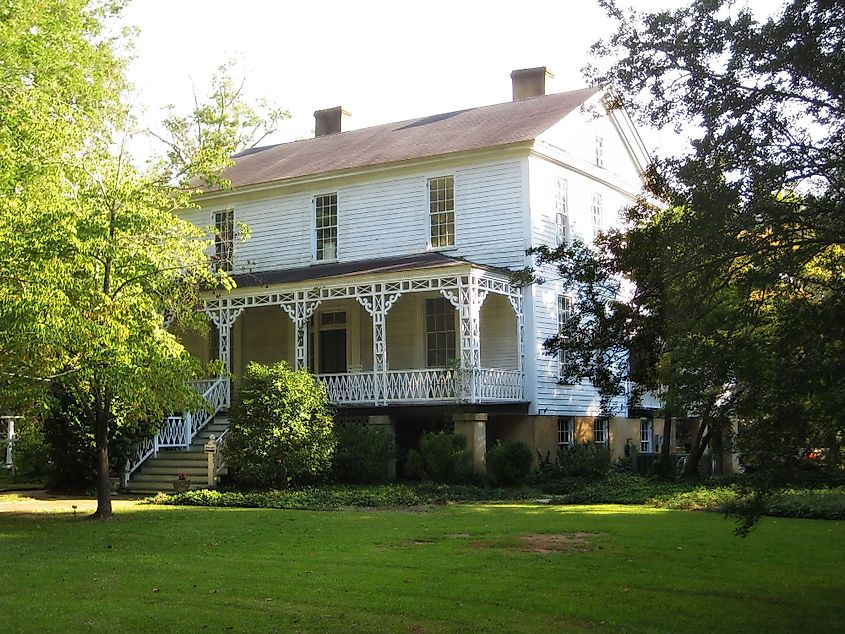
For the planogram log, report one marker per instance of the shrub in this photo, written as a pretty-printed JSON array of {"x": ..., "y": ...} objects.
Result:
[
  {"x": 362, "y": 453},
  {"x": 281, "y": 429},
  {"x": 442, "y": 457},
  {"x": 509, "y": 463},
  {"x": 584, "y": 460}
]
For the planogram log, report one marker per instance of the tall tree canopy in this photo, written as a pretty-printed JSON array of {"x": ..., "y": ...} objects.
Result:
[
  {"x": 92, "y": 254},
  {"x": 737, "y": 250}
]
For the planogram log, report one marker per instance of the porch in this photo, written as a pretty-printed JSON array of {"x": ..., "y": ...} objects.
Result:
[{"x": 429, "y": 329}]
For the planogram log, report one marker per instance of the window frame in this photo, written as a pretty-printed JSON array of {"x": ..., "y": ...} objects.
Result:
[
  {"x": 601, "y": 431},
  {"x": 317, "y": 252},
  {"x": 431, "y": 185},
  {"x": 565, "y": 429},
  {"x": 224, "y": 239},
  {"x": 562, "y": 236},
  {"x": 448, "y": 316},
  {"x": 565, "y": 308},
  {"x": 646, "y": 435},
  {"x": 599, "y": 151},
  {"x": 597, "y": 213}
]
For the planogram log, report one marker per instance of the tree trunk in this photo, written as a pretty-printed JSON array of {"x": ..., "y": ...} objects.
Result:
[
  {"x": 101, "y": 435},
  {"x": 667, "y": 436},
  {"x": 699, "y": 444}
]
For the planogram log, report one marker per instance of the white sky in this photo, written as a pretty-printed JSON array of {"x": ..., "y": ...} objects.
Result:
[{"x": 381, "y": 60}]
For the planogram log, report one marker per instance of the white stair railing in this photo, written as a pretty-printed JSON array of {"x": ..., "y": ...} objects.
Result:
[{"x": 178, "y": 432}]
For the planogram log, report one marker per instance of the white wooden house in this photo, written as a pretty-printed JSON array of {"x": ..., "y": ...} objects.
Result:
[{"x": 380, "y": 259}]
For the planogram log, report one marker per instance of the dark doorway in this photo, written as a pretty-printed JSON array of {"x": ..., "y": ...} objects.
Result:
[{"x": 332, "y": 351}]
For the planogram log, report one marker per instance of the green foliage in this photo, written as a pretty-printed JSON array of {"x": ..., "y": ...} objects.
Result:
[
  {"x": 583, "y": 460},
  {"x": 281, "y": 429},
  {"x": 509, "y": 463},
  {"x": 442, "y": 457},
  {"x": 362, "y": 453},
  {"x": 29, "y": 453}
]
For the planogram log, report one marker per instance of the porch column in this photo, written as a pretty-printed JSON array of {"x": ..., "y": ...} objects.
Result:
[
  {"x": 474, "y": 428},
  {"x": 469, "y": 307},
  {"x": 378, "y": 303},
  {"x": 224, "y": 318},
  {"x": 300, "y": 311},
  {"x": 516, "y": 304}
]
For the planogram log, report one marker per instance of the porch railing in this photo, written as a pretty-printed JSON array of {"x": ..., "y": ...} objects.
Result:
[
  {"x": 178, "y": 431},
  {"x": 422, "y": 385}
]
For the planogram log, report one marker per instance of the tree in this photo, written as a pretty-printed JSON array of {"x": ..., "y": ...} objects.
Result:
[
  {"x": 739, "y": 267},
  {"x": 93, "y": 254}
]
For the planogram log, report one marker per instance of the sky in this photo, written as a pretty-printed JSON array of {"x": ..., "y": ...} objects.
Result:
[{"x": 381, "y": 61}]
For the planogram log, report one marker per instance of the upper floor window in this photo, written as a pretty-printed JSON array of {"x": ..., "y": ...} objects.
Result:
[
  {"x": 325, "y": 226},
  {"x": 646, "y": 435},
  {"x": 599, "y": 151},
  {"x": 565, "y": 432},
  {"x": 564, "y": 314},
  {"x": 224, "y": 239},
  {"x": 561, "y": 212},
  {"x": 596, "y": 213},
  {"x": 600, "y": 432},
  {"x": 441, "y": 206},
  {"x": 439, "y": 332}
]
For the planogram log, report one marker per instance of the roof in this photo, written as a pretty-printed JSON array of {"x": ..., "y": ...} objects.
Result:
[
  {"x": 399, "y": 264},
  {"x": 472, "y": 129}
]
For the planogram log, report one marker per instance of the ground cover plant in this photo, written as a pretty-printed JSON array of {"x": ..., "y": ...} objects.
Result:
[{"x": 513, "y": 568}]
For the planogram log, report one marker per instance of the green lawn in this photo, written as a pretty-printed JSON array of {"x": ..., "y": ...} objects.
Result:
[{"x": 458, "y": 568}]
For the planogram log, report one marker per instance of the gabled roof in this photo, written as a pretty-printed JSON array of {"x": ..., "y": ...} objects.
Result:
[{"x": 472, "y": 129}]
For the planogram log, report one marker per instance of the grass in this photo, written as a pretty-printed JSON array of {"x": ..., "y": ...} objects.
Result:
[{"x": 455, "y": 568}]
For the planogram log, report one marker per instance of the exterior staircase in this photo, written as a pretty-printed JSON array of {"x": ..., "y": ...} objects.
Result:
[{"x": 158, "y": 472}]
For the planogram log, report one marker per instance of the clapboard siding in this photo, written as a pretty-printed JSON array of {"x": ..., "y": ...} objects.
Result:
[{"x": 499, "y": 347}]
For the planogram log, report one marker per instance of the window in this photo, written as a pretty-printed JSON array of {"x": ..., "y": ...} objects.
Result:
[
  {"x": 564, "y": 314},
  {"x": 599, "y": 151},
  {"x": 441, "y": 206},
  {"x": 439, "y": 332},
  {"x": 565, "y": 432},
  {"x": 224, "y": 239},
  {"x": 646, "y": 435},
  {"x": 596, "y": 213},
  {"x": 600, "y": 431},
  {"x": 561, "y": 212},
  {"x": 325, "y": 225}
]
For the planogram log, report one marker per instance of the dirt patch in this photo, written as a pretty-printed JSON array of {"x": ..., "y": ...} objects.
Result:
[
  {"x": 546, "y": 543},
  {"x": 43, "y": 502},
  {"x": 458, "y": 535},
  {"x": 559, "y": 542}
]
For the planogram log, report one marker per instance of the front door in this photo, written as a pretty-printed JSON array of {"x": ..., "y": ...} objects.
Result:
[{"x": 333, "y": 351}]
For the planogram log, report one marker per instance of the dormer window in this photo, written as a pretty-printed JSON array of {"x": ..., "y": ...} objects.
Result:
[
  {"x": 224, "y": 239},
  {"x": 599, "y": 151},
  {"x": 325, "y": 227},
  {"x": 441, "y": 206}
]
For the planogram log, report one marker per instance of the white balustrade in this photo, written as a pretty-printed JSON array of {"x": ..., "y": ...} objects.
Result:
[{"x": 423, "y": 385}]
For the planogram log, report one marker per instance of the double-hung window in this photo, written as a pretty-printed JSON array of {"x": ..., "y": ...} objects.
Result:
[
  {"x": 325, "y": 227},
  {"x": 224, "y": 239},
  {"x": 439, "y": 332},
  {"x": 600, "y": 432},
  {"x": 599, "y": 151},
  {"x": 564, "y": 314},
  {"x": 441, "y": 209},
  {"x": 596, "y": 213},
  {"x": 565, "y": 432},
  {"x": 561, "y": 212}
]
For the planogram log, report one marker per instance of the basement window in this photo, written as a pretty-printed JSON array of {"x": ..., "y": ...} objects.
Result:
[
  {"x": 565, "y": 432},
  {"x": 600, "y": 431}
]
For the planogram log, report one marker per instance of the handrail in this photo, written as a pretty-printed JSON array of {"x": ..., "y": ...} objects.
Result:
[{"x": 179, "y": 431}]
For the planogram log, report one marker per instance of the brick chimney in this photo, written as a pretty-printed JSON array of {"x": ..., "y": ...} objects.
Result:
[
  {"x": 328, "y": 121},
  {"x": 530, "y": 82}
]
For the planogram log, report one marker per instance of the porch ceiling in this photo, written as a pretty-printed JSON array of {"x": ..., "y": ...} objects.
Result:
[{"x": 375, "y": 266}]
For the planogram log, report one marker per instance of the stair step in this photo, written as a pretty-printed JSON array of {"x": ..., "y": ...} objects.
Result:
[{"x": 155, "y": 469}]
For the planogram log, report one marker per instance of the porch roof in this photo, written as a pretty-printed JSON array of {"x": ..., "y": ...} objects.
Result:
[{"x": 375, "y": 266}]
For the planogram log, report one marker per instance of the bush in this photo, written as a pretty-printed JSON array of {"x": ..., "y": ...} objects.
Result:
[
  {"x": 442, "y": 457},
  {"x": 281, "y": 429},
  {"x": 509, "y": 463},
  {"x": 584, "y": 460},
  {"x": 362, "y": 453}
]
